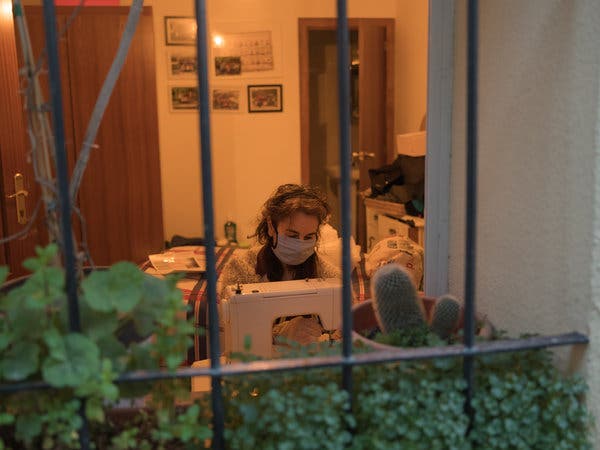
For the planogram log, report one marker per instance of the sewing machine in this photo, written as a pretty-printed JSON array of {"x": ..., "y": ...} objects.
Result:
[{"x": 253, "y": 308}]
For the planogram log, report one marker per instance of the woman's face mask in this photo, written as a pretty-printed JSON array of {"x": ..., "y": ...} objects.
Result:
[
  {"x": 293, "y": 251},
  {"x": 295, "y": 238}
]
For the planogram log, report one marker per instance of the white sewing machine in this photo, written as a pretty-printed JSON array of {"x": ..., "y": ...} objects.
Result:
[{"x": 252, "y": 309}]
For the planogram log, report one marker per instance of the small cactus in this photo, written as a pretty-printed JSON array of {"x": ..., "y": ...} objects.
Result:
[
  {"x": 395, "y": 299},
  {"x": 445, "y": 317}
]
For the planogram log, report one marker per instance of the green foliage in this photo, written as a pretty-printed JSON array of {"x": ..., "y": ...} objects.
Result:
[
  {"x": 523, "y": 402},
  {"x": 520, "y": 400},
  {"x": 409, "y": 406},
  {"x": 417, "y": 336},
  {"x": 301, "y": 411},
  {"x": 130, "y": 321}
]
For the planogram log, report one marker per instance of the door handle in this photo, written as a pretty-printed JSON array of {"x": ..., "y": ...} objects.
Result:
[
  {"x": 361, "y": 156},
  {"x": 19, "y": 196}
]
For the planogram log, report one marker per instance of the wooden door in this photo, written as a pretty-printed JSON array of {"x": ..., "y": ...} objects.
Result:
[
  {"x": 120, "y": 195},
  {"x": 375, "y": 121},
  {"x": 14, "y": 160}
]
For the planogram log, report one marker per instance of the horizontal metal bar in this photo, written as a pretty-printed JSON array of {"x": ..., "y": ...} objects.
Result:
[{"x": 386, "y": 356}]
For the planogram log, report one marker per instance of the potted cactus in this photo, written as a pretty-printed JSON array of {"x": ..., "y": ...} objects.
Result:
[{"x": 397, "y": 315}]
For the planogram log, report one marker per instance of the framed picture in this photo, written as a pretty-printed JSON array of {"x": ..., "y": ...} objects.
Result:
[
  {"x": 180, "y": 30},
  {"x": 228, "y": 65},
  {"x": 226, "y": 99},
  {"x": 183, "y": 98},
  {"x": 245, "y": 50},
  {"x": 182, "y": 63},
  {"x": 265, "y": 98}
]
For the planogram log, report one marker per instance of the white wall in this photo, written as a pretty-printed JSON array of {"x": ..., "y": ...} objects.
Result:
[
  {"x": 253, "y": 153},
  {"x": 538, "y": 256}
]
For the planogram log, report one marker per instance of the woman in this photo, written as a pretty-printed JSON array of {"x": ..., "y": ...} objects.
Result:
[{"x": 287, "y": 235}]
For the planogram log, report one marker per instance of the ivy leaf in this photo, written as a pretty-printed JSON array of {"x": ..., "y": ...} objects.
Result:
[
  {"x": 79, "y": 362},
  {"x": 6, "y": 418},
  {"x": 45, "y": 255},
  {"x": 117, "y": 289},
  {"x": 3, "y": 274},
  {"x": 28, "y": 427},
  {"x": 154, "y": 301},
  {"x": 97, "y": 324},
  {"x": 113, "y": 350},
  {"x": 25, "y": 318},
  {"x": 94, "y": 410},
  {"x": 20, "y": 361},
  {"x": 5, "y": 340}
]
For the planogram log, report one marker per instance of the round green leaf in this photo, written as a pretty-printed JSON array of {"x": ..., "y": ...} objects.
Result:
[
  {"x": 82, "y": 361},
  {"x": 117, "y": 289},
  {"x": 20, "y": 361}
]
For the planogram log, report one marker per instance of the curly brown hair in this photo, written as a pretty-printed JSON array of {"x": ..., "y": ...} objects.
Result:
[{"x": 285, "y": 201}]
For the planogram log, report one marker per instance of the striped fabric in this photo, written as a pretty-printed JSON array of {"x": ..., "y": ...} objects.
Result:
[{"x": 198, "y": 307}]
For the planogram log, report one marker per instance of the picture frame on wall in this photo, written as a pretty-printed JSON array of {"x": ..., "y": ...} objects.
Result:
[
  {"x": 182, "y": 63},
  {"x": 180, "y": 30},
  {"x": 183, "y": 98},
  {"x": 227, "y": 99},
  {"x": 265, "y": 98},
  {"x": 245, "y": 49}
]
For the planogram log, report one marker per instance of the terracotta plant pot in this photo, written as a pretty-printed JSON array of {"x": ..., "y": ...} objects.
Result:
[{"x": 364, "y": 319}]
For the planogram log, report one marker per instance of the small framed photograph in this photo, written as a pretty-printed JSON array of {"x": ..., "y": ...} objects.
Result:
[
  {"x": 228, "y": 65},
  {"x": 265, "y": 98},
  {"x": 182, "y": 63},
  {"x": 180, "y": 30},
  {"x": 183, "y": 98},
  {"x": 226, "y": 99}
]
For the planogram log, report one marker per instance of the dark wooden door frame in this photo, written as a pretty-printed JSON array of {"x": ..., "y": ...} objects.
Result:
[{"x": 305, "y": 25}]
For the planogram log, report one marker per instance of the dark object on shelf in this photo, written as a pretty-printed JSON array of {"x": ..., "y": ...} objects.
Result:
[
  {"x": 385, "y": 177},
  {"x": 179, "y": 241}
]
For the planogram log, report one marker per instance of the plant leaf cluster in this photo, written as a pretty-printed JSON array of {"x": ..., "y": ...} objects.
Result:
[
  {"x": 130, "y": 321},
  {"x": 134, "y": 322}
]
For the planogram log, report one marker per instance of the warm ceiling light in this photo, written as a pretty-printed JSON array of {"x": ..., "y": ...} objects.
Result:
[{"x": 218, "y": 40}]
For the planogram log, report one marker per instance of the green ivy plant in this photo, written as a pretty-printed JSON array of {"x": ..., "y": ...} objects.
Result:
[
  {"x": 129, "y": 320},
  {"x": 521, "y": 401}
]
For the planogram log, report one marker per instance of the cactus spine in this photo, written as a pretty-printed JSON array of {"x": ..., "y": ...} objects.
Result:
[{"x": 395, "y": 299}]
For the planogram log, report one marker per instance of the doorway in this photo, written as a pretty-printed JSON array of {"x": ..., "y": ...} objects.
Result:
[{"x": 372, "y": 114}]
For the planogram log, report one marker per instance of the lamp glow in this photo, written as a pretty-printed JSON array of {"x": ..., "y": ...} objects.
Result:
[
  {"x": 6, "y": 9},
  {"x": 218, "y": 40}
]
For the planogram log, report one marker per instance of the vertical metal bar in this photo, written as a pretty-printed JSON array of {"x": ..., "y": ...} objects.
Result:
[
  {"x": 471, "y": 206},
  {"x": 343, "y": 54},
  {"x": 207, "y": 197},
  {"x": 64, "y": 204}
]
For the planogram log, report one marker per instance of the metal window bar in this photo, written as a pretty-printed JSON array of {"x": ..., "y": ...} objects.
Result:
[{"x": 468, "y": 351}]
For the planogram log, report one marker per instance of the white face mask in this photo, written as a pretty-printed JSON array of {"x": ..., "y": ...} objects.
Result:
[{"x": 292, "y": 251}]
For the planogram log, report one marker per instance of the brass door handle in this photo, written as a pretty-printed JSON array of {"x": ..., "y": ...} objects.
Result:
[{"x": 19, "y": 196}]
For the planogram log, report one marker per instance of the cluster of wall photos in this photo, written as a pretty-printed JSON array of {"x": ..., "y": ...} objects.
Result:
[{"x": 234, "y": 55}]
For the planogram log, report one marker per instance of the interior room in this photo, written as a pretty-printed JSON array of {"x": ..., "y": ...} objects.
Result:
[
  {"x": 276, "y": 123},
  {"x": 247, "y": 166},
  {"x": 273, "y": 120}
]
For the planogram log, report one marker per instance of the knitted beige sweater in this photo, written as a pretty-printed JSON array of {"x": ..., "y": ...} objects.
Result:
[{"x": 241, "y": 268}]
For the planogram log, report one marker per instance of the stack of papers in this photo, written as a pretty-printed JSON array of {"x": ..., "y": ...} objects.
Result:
[{"x": 179, "y": 259}]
